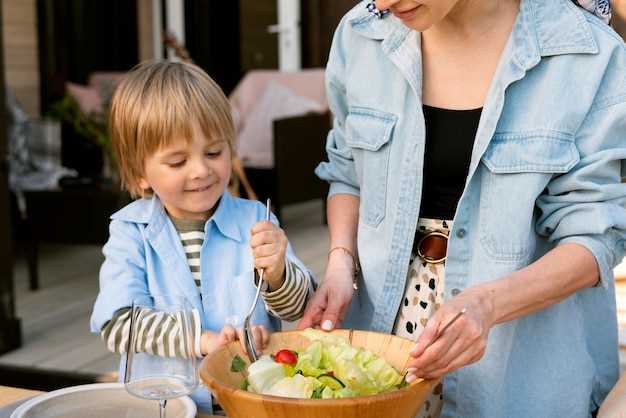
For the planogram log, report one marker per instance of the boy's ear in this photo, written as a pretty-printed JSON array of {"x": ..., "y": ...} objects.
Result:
[{"x": 143, "y": 183}]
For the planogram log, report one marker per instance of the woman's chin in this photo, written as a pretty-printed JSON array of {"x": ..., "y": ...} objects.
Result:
[{"x": 418, "y": 25}]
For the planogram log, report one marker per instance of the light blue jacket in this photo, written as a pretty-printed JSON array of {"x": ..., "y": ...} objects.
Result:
[
  {"x": 545, "y": 170},
  {"x": 144, "y": 257}
]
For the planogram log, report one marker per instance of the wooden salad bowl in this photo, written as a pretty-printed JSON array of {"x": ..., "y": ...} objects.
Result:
[{"x": 238, "y": 403}]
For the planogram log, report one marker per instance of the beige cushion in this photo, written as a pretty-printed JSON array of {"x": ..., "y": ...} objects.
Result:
[
  {"x": 307, "y": 83},
  {"x": 254, "y": 142}
]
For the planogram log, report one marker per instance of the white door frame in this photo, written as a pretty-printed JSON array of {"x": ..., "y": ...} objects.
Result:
[
  {"x": 288, "y": 30},
  {"x": 157, "y": 30},
  {"x": 175, "y": 18}
]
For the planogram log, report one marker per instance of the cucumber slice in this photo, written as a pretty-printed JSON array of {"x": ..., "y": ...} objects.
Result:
[{"x": 331, "y": 381}]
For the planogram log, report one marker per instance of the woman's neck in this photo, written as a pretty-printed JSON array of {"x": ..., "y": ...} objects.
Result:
[
  {"x": 473, "y": 20},
  {"x": 460, "y": 55}
]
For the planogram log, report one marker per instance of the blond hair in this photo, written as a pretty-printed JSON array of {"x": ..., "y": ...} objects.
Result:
[{"x": 158, "y": 103}]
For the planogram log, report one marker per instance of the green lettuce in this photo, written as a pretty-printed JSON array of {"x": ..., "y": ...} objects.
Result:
[
  {"x": 264, "y": 373},
  {"x": 297, "y": 386},
  {"x": 310, "y": 360},
  {"x": 360, "y": 371}
]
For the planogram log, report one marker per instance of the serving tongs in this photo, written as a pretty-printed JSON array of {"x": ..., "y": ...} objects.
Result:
[{"x": 248, "y": 337}]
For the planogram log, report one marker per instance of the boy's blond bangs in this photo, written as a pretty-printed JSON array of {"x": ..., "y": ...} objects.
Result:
[{"x": 157, "y": 104}]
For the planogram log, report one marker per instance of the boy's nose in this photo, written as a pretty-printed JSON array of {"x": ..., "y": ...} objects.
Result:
[{"x": 200, "y": 169}]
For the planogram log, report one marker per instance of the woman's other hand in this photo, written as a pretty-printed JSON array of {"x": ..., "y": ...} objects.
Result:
[
  {"x": 328, "y": 306},
  {"x": 463, "y": 343}
]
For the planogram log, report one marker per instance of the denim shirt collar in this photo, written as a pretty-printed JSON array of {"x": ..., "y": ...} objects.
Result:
[
  {"x": 150, "y": 211},
  {"x": 543, "y": 28},
  {"x": 222, "y": 218}
]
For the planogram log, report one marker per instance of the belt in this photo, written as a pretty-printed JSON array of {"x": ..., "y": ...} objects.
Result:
[{"x": 431, "y": 246}]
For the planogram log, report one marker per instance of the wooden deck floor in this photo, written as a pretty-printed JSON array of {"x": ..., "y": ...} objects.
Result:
[{"x": 55, "y": 319}]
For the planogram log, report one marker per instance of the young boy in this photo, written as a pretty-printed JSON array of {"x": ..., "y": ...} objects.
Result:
[{"x": 172, "y": 135}]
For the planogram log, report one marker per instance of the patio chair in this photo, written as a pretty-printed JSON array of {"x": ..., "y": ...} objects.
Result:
[{"x": 282, "y": 120}]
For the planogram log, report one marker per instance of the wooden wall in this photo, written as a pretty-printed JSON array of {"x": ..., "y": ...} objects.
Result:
[
  {"x": 144, "y": 30},
  {"x": 19, "y": 27},
  {"x": 10, "y": 333}
]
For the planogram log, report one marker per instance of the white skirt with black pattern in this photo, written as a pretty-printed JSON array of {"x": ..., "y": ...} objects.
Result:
[{"x": 423, "y": 294}]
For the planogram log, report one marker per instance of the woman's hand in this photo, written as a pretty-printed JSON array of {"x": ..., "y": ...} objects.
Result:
[
  {"x": 269, "y": 245},
  {"x": 463, "y": 343},
  {"x": 211, "y": 342},
  {"x": 328, "y": 307}
]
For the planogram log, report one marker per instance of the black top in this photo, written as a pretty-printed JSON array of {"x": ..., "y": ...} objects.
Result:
[{"x": 449, "y": 141}]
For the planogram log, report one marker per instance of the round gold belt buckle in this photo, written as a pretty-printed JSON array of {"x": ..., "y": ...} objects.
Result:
[{"x": 426, "y": 258}]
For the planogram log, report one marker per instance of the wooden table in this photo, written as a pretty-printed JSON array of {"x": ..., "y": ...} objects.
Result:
[{"x": 9, "y": 395}]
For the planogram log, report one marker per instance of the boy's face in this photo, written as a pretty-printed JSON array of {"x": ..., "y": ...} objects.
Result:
[{"x": 189, "y": 178}]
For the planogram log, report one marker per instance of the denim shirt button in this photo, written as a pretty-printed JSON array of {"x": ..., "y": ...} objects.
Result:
[
  {"x": 461, "y": 233},
  {"x": 455, "y": 291}
]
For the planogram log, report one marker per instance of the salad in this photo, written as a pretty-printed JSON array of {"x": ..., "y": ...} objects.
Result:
[{"x": 328, "y": 368}]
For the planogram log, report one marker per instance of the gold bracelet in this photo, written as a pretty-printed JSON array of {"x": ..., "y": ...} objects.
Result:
[{"x": 355, "y": 274}]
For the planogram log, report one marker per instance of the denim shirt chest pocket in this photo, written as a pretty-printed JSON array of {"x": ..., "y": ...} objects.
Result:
[
  {"x": 519, "y": 167},
  {"x": 368, "y": 132}
]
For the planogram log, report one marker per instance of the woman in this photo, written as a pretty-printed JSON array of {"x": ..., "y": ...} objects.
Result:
[{"x": 500, "y": 124}]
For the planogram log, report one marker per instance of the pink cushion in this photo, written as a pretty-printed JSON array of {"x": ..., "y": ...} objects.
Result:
[
  {"x": 88, "y": 98},
  {"x": 100, "y": 78},
  {"x": 254, "y": 142}
]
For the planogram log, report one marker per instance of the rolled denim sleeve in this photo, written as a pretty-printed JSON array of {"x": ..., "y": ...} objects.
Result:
[
  {"x": 122, "y": 275},
  {"x": 339, "y": 170},
  {"x": 586, "y": 206}
]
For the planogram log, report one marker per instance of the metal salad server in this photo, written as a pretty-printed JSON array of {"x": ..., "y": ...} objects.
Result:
[
  {"x": 248, "y": 338},
  {"x": 457, "y": 316}
]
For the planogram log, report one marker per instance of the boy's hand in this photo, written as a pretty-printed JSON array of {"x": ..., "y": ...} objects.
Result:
[
  {"x": 211, "y": 342},
  {"x": 269, "y": 245}
]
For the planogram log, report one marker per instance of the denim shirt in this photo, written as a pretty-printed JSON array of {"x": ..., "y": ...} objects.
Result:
[
  {"x": 545, "y": 170},
  {"x": 144, "y": 256}
]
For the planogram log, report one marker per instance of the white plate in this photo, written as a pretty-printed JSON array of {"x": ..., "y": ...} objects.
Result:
[{"x": 100, "y": 400}]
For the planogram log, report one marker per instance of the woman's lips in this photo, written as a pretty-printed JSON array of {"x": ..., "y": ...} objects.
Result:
[{"x": 407, "y": 14}]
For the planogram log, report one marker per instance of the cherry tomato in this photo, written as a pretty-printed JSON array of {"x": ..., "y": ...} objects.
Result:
[{"x": 286, "y": 357}]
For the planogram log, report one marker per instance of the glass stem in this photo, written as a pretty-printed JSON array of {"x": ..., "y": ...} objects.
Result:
[{"x": 162, "y": 403}]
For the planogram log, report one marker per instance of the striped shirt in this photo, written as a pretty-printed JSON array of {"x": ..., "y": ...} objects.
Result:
[
  {"x": 191, "y": 233},
  {"x": 161, "y": 332}
]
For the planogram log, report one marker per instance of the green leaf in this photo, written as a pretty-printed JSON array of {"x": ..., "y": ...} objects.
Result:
[
  {"x": 237, "y": 364},
  {"x": 244, "y": 384}
]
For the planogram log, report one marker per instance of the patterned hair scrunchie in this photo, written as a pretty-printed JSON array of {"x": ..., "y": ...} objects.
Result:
[
  {"x": 600, "y": 8},
  {"x": 371, "y": 7}
]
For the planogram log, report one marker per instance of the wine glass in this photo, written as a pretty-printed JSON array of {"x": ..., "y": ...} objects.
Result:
[{"x": 161, "y": 364}]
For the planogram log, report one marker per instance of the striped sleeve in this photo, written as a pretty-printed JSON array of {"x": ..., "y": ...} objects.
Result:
[
  {"x": 157, "y": 333},
  {"x": 288, "y": 301}
]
